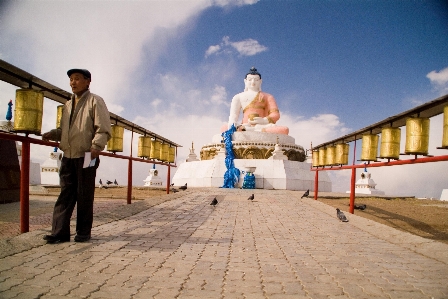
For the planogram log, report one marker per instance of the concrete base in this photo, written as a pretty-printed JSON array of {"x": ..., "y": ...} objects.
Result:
[
  {"x": 367, "y": 191},
  {"x": 269, "y": 174}
]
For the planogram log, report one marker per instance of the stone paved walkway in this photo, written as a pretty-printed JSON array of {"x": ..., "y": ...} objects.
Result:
[{"x": 277, "y": 246}]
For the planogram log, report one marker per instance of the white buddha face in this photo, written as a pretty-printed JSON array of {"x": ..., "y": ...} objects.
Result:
[{"x": 252, "y": 82}]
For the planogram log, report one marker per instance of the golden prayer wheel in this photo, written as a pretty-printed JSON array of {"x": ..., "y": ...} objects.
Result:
[
  {"x": 330, "y": 155},
  {"x": 322, "y": 154},
  {"x": 144, "y": 146},
  {"x": 369, "y": 147},
  {"x": 28, "y": 111},
  {"x": 59, "y": 115},
  {"x": 417, "y": 136},
  {"x": 390, "y": 143},
  {"x": 445, "y": 128},
  {"x": 164, "y": 152},
  {"x": 171, "y": 154},
  {"x": 341, "y": 157},
  {"x": 115, "y": 143},
  {"x": 315, "y": 158},
  {"x": 155, "y": 150}
]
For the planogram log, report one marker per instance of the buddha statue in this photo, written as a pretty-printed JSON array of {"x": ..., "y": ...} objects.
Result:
[{"x": 260, "y": 111}]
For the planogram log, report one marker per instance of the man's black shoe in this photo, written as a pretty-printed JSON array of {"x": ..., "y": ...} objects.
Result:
[
  {"x": 55, "y": 239},
  {"x": 81, "y": 238}
]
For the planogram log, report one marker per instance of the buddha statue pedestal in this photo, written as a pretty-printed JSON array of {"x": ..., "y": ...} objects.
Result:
[{"x": 254, "y": 149}]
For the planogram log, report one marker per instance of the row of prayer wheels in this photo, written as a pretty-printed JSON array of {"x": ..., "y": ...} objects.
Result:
[
  {"x": 417, "y": 143},
  {"x": 148, "y": 147},
  {"x": 28, "y": 119}
]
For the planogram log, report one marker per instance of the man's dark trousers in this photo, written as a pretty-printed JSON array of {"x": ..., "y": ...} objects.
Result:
[{"x": 77, "y": 187}]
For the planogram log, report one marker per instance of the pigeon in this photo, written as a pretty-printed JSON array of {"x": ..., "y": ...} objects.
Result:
[
  {"x": 172, "y": 184},
  {"x": 306, "y": 193},
  {"x": 174, "y": 190},
  {"x": 184, "y": 187},
  {"x": 251, "y": 197},
  {"x": 101, "y": 182},
  {"x": 108, "y": 182},
  {"x": 360, "y": 207},
  {"x": 341, "y": 216},
  {"x": 115, "y": 182},
  {"x": 214, "y": 202}
]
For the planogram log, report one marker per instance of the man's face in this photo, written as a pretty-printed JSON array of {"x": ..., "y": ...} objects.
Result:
[
  {"x": 253, "y": 82},
  {"x": 78, "y": 83}
]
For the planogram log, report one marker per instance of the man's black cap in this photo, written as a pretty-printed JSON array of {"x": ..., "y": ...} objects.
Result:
[{"x": 84, "y": 72}]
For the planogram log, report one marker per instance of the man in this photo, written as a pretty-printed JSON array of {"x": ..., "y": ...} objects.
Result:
[
  {"x": 260, "y": 111},
  {"x": 84, "y": 128}
]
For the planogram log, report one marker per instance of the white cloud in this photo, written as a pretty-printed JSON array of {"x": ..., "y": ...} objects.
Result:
[
  {"x": 246, "y": 47},
  {"x": 439, "y": 80},
  {"x": 234, "y": 2},
  {"x": 212, "y": 50},
  {"x": 156, "y": 102},
  {"x": 219, "y": 95}
]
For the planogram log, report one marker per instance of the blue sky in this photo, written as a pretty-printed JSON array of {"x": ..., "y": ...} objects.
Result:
[{"x": 173, "y": 66}]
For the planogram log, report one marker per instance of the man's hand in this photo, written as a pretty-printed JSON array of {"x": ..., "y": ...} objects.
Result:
[{"x": 94, "y": 153}]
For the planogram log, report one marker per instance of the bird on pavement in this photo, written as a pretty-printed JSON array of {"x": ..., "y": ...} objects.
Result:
[
  {"x": 360, "y": 207},
  {"x": 115, "y": 182},
  {"x": 251, "y": 197},
  {"x": 306, "y": 193},
  {"x": 172, "y": 184},
  {"x": 214, "y": 202},
  {"x": 184, "y": 187},
  {"x": 108, "y": 182},
  {"x": 174, "y": 190},
  {"x": 341, "y": 215},
  {"x": 101, "y": 182}
]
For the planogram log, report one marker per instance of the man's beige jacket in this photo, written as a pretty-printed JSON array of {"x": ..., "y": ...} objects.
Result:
[{"x": 87, "y": 127}]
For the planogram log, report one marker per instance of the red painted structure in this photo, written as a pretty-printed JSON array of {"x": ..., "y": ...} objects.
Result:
[
  {"x": 428, "y": 109},
  {"x": 18, "y": 77}
]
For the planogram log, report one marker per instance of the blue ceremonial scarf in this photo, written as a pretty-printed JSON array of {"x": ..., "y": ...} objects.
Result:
[{"x": 232, "y": 175}]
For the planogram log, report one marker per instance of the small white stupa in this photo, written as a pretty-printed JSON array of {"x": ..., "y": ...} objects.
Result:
[
  {"x": 192, "y": 156},
  {"x": 153, "y": 179},
  {"x": 50, "y": 169},
  {"x": 366, "y": 185}
]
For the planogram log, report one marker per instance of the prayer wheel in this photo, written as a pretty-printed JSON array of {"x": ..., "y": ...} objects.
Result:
[
  {"x": 342, "y": 154},
  {"x": 144, "y": 146},
  {"x": 315, "y": 158},
  {"x": 155, "y": 150},
  {"x": 59, "y": 115},
  {"x": 115, "y": 143},
  {"x": 171, "y": 154},
  {"x": 322, "y": 154},
  {"x": 445, "y": 128},
  {"x": 330, "y": 156},
  {"x": 164, "y": 152},
  {"x": 369, "y": 147},
  {"x": 390, "y": 143},
  {"x": 417, "y": 136},
  {"x": 28, "y": 111}
]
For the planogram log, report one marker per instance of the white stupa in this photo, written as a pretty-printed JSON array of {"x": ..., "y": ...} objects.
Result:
[
  {"x": 153, "y": 179},
  {"x": 366, "y": 185},
  {"x": 50, "y": 169}
]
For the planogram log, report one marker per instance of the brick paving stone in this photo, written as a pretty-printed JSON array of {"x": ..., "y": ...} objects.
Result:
[{"x": 277, "y": 246}]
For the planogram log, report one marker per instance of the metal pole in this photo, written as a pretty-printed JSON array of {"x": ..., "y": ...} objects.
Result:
[
  {"x": 168, "y": 180},
  {"x": 316, "y": 184},
  {"x": 352, "y": 191},
  {"x": 129, "y": 197},
  {"x": 25, "y": 188}
]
